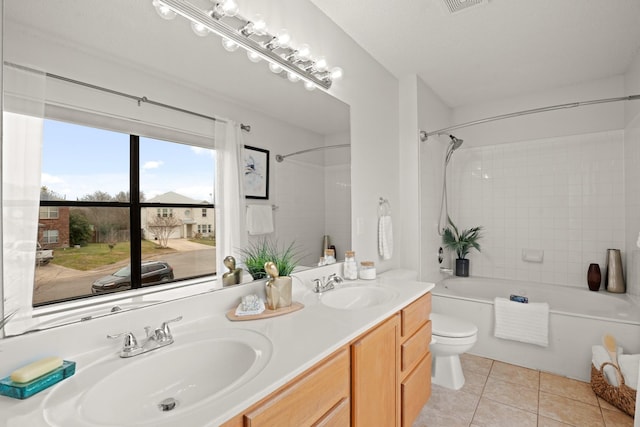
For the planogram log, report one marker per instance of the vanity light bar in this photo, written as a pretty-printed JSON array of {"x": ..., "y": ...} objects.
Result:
[{"x": 268, "y": 50}]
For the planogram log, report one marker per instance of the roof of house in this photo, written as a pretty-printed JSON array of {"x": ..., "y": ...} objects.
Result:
[{"x": 173, "y": 197}]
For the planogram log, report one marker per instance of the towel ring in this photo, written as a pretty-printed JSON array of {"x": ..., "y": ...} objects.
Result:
[{"x": 384, "y": 207}]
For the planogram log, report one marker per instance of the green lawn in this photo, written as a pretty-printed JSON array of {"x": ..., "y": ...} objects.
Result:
[
  {"x": 210, "y": 242},
  {"x": 96, "y": 255}
]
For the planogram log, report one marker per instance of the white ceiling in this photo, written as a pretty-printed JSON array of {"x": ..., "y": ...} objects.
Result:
[{"x": 500, "y": 49}]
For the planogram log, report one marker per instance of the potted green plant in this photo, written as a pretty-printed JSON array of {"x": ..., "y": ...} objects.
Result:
[
  {"x": 262, "y": 251},
  {"x": 461, "y": 243},
  {"x": 265, "y": 258}
]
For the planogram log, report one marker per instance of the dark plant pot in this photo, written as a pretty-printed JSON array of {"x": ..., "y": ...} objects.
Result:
[
  {"x": 462, "y": 267},
  {"x": 594, "y": 277}
]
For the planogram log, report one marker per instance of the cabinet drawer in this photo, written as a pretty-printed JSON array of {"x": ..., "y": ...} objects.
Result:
[
  {"x": 338, "y": 416},
  {"x": 415, "y": 315},
  {"x": 416, "y": 347},
  {"x": 308, "y": 399},
  {"x": 415, "y": 391}
]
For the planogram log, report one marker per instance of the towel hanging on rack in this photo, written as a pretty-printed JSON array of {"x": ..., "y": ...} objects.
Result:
[
  {"x": 259, "y": 219},
  {"x": 385, "y": 229}
]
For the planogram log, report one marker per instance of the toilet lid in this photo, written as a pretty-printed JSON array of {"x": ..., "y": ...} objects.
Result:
[{"x": 447, "y": 326}]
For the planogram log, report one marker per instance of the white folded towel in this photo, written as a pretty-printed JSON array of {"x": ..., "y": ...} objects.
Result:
[
  {"x": 527, "y": 323},
  {"x": 600, "y": 355},
  {"x": 259, "y": 219},
  {"x": 629, "y": 364},
  {"x": 385, "y": 237}
]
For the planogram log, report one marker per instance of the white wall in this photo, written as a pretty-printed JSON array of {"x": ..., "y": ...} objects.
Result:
[
  {"x": 572, "y": 121},
  {"x": 632, "y": 177},
  {"x": 433, "y": 114}
]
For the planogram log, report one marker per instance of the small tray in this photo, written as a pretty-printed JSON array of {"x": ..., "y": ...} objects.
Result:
[{"x": 295, "y": 306}]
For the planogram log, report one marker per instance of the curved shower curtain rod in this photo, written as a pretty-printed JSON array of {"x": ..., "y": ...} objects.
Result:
[
  {"x": 424, "y": 135},
  {"x": 280, "y": 157}
]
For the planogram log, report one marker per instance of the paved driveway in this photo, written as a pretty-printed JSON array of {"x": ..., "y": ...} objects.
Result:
[{"x": 54, "y": 282}]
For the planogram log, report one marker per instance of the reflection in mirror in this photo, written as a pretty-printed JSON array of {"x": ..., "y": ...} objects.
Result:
[{"x": 82, "y": 195}]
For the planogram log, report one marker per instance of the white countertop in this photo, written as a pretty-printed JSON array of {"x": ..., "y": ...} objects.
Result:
[{"x": 299, "y": 340}]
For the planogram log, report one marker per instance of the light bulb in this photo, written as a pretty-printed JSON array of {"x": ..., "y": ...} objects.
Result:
[
  {"x": 229, "y": 45},
  {"x": 309, "y": 86},
  {"x": 320, "y": 64},
  {"x": 336, "y": 73},
  {"x": 164, "y": 11},
  {"x": 275, "y": 68},
  {"x": 253, "y": 57},
  {"x": 259, "y": 26},
  {"x": 303, "y": 53},
  {"x": 230, "y": 7},
  {"x": 293, "y": 77},
  {"x": 199, "y": 29},
  {"x": 283, "y": 39}
]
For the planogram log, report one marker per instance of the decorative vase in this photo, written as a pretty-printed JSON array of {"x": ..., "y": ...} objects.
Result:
[
  {"x": 614, "y": 280},
  {"x": 279, "y": 290},
  {"x": 462, "y": 267},
  {"x": 594, "y": 277}
]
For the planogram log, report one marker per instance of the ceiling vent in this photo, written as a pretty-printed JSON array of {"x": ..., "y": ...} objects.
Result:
[{"x": 454, "y": 6}]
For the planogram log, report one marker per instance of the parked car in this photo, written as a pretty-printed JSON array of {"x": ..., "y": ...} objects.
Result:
[
  {"x": 43, "y": 256},
  {"x": 153, "y": 272}
]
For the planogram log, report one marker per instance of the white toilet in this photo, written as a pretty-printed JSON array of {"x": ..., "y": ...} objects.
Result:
[{"x": 450, "y": 338}]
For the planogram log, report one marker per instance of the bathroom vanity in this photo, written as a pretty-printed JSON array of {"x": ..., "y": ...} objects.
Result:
[
  {"x": 355, "y": 355},
  {"x": 384, "y": 376}
]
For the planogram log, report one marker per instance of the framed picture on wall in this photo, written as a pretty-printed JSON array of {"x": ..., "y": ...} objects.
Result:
[{"x": 256, "y": 173}]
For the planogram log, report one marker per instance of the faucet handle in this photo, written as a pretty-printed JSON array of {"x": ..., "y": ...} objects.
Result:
[
  {"x": 130, "y": 344},
  {"x": 165, "y": 328}
]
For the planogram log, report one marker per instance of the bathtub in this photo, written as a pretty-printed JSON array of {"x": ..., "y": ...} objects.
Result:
[{"x": 578, "y": 319}]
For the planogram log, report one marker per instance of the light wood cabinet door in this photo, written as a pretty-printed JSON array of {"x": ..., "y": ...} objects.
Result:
[
  {"x": 415, "y": 391},
  {"x": 374, "y": 376}
]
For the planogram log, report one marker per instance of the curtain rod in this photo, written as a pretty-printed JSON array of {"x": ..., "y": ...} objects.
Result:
[
  {"x": 138, "y": 99},
  {"x": 424, "y": 135},
  {"x": 280, "y": 157}
]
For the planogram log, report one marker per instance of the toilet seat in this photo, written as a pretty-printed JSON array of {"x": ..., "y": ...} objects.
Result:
[{"x": 451, "y": 327}]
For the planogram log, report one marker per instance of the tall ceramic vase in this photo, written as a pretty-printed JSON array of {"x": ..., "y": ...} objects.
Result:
[
  {"x": 614, "y": 280},
  {"x": 594, "y": 277}
]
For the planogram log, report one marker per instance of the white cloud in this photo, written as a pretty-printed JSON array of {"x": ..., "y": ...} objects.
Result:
[
  {"x": 203, "y": 151},
  {"x": 50, "y": 179},
  {"x": 153, "y": 164}
]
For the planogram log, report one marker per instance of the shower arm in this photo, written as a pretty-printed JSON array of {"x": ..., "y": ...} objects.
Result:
[
  {"x": 280, "y": 157},
  {"x": 424, "y": 135}
]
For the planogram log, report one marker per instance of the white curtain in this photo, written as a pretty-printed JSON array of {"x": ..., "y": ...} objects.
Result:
[
  {"x": 231, "y": 235},
  {"x": 22, "y": 127}
]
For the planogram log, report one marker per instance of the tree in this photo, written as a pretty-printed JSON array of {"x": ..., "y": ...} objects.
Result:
[
  {"x": 79, "y": 228},
  {"x": 162, "y": 227}
]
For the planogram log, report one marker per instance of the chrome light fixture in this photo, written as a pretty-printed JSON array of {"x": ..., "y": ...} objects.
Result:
[{"x": 252, "y": 35}]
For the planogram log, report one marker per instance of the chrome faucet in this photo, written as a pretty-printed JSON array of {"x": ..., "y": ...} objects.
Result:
[
  {"x": 156, "y": 338},
  {"x": 320, "y": 285}
]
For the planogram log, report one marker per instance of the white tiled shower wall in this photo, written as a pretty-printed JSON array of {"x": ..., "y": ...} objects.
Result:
[{"x": 563, "y": 195}]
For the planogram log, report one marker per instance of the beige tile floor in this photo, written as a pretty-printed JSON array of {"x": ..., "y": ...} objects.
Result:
[{"x": 497, "y": 394}]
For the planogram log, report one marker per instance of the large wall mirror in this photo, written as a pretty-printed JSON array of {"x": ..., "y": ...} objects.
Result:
[{"x": 68, "y": 198}]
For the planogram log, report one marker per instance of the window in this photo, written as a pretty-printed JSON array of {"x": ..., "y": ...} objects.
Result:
[
  {"x": 204, "y": 212},
  {"x": 49, "y": 212},
  {"x": 50, "y": 236},
  {"x": 165, "y": 213},
  {"x": 120, "y": 192}
]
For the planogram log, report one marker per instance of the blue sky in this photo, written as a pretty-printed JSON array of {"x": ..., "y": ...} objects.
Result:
[{"x": 79, "y": 160}]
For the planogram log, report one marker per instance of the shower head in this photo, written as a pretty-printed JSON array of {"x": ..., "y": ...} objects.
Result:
[
  {"x": 455, "y": 142},
  {"x": 453, "y": 146}
]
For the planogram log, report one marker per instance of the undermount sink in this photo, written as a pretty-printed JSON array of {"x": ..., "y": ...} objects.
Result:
[
  {"x": 153, "y": 388},
  {"x": 357, "y": 297}
]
